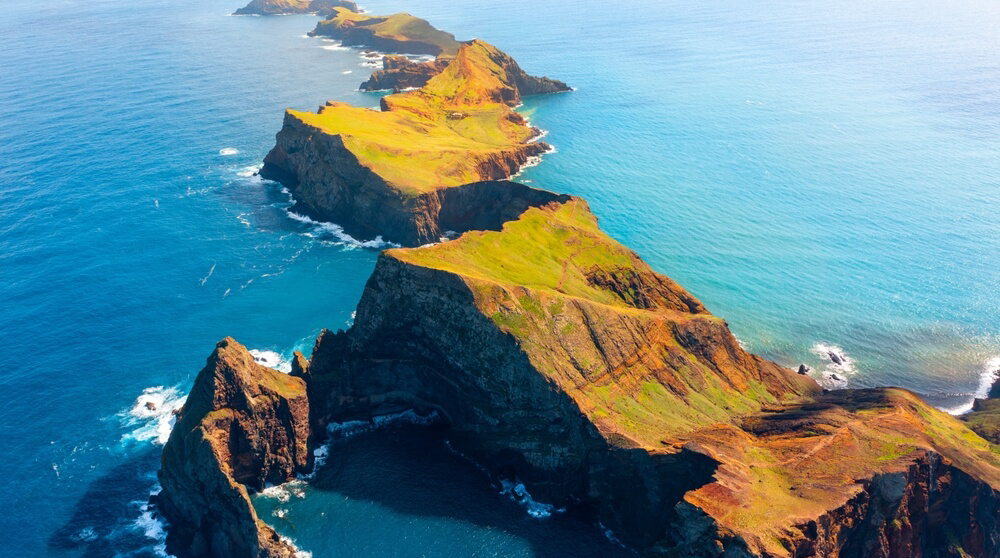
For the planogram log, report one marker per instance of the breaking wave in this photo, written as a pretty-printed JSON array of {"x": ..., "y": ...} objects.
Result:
[
  {"x": 272, "y": 359},
  {"x": 516, "y": 491},
  {"x": 226, "y": 151},
  {"x": 335, "y": 233},
  {"x": 152, "y": 416},
  {"x": 989, "y": 374},
  {"x": 837, "y": 367}
]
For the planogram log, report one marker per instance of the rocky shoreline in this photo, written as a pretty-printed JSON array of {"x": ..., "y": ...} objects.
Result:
[{"x": 553, "y": 355}]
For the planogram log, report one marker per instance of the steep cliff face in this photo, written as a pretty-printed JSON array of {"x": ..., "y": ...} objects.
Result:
[
  {"x": 387, "y": 173},
  {"x": 399, "y": 73},
  {"x": 282, "y": 7},
  {"x": 329, "y": 183},
  {"x": 401, "y": 33},
  {"x": 927, "y": 508},
  {"x": 559, "y": 357},
  {"x": 242, "y": 426}
]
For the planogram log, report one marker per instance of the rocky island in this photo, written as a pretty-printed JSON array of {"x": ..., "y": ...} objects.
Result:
[
  {"x": 284, "y": 7},
  {"x": 399, "y": 172},
  {"x": 555, "y": 356},
  {"x": 401, "y": 33}
]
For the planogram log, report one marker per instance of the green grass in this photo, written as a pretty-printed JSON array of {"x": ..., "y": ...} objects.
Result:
[
  {"x": 399, "y": 27},
  {"x": 549, "y": 249},
  {"x": 438, "y": 137}
]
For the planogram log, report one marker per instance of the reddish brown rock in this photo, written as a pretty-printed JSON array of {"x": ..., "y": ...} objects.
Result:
[
  {"x": 243, "y": 426},
  {"x": 399, "y": 73}
]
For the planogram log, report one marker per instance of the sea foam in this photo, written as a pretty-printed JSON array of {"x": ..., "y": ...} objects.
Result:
[
  {"x": 272, "y": 359},
  {"x": 987, "y": 376},
  {"x": 834, "y": 375},
  {"x": 152, "y": 416}
]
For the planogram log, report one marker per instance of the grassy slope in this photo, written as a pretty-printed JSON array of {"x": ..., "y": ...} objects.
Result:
[
  {"x": 431, "y": 140},
  {"x": 785, "y": 459},
  {"x": 400, "y": 27},
  {"x": 531, "y": 279}
]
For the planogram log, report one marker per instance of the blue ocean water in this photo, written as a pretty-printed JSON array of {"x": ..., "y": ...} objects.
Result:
[{"x": 825, "y": 175}]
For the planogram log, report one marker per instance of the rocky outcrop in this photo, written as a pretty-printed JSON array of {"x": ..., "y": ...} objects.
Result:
[
  {"x": 927, "y": 507},
  {"x": 243, "y": 426},
  {"x": 399, "y": 73},
  {"x": 283, "y": 7},
  {"x": 329, "y": 183}
]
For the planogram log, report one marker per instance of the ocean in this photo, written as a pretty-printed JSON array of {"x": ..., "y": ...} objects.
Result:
[{"x": 825, "y": 175}]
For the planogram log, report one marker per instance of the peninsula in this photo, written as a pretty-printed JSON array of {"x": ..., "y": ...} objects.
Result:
[
  {"x": 399, "y": 171},
  {"x": 556, "y": 356}
]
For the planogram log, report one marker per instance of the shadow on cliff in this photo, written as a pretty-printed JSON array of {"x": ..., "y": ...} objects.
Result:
[
  {"x": 410, "y": 470},
  {"x": 104, "y": 521}
]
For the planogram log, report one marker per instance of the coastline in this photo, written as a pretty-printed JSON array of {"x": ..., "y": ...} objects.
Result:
[{"x": 891, "y": 397}]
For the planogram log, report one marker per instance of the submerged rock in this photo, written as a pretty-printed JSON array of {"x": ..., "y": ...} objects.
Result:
[{"x": 243, "y": 426}]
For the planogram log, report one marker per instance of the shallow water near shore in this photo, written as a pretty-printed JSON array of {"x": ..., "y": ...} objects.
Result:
[{"x": 825, "y": 176}]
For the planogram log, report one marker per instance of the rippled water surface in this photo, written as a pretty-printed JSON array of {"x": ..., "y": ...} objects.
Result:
[{"x": 825, "y": 175}]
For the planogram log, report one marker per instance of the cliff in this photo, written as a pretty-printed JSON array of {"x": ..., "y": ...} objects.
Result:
[
  {"x": 243, "y": 426},
  {"x": 400, "y": 33},
  {"x": 283, "y": 7},
  {"x": 387, "y": 172},
  {"x": 557, "y": 356},
  {"x": 400, "y": 73}
]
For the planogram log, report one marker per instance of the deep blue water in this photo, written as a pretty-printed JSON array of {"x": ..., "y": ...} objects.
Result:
[{"x": 820, "y": 174}]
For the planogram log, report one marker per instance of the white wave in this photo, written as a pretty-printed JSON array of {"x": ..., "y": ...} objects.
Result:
[
  {"x": 355, "y": 427},
  {"x": 350, "y": 321},
  {"x": 229, "y": 151},
  {"x": 87, "y": 534},
  {"x": 210, "y": 272},
  {"x": 272, "y": 359},
  {"x": 371, "y": 65},
  {"x": 519, "y": 493},
  {"x": 532, "y": 161},
  {"x": 345, "y": 72},
  {"x": 152, "y": 524},
  {"x": 279, "y": 493},
  {"x": 321, "y": 230},
  {"x": 152, "y": 416},
  {"x": 989, "y": 374},
  {"x": 334, "y": 47},
  {"x": 609, "y": 534},
  {"x": 242, "y": 218},
  {"x": 249, "y": 171},
  {"x": 834, "y": 374}
]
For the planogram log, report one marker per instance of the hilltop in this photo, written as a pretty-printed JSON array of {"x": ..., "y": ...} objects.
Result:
[
  {"x": 401, "y": 33},
  {"x": 383, "y": 172}
]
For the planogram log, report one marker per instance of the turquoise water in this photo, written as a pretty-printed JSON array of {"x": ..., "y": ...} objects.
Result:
[{"x": 822, "y": 175}]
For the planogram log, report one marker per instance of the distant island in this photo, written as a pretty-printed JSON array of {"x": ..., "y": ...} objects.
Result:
[
  {"x": 285, "y": 7},
  {"x": 555, "y": 356}
]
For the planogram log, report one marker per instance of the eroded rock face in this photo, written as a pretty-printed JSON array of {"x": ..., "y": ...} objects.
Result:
[
  {"x": 597, "y": 382},
  {"x": 282, "y": 7},
  {"x": 243, "y": 426},
  {"x": 328, "y": 183},
  {"x": 399, "y": 73},
  {"x": 927, "y": 508}
]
